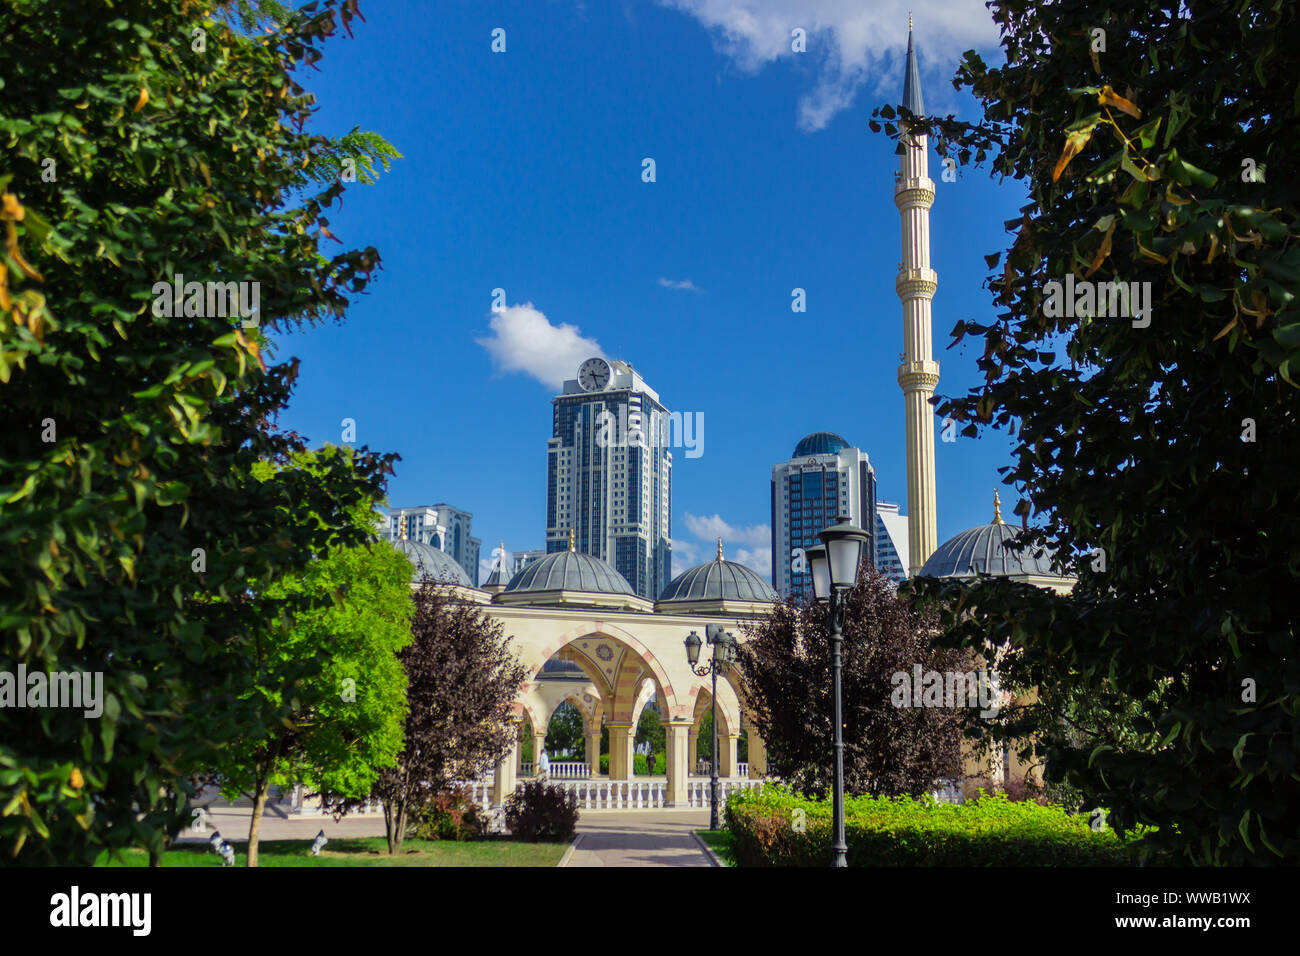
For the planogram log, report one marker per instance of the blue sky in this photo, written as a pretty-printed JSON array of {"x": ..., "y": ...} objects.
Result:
[{"x": 522, "y": 171}]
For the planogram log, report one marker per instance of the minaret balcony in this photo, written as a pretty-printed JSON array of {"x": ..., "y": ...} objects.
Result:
[
  {"x": 916, "y": 284},
  {"x": 910, "y": 193},
  {"x": 921, "y": 375}
]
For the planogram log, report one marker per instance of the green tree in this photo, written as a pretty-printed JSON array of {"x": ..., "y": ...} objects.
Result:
[
  {"x": 1158, "y": 453},
  {"x": 329, "y": 679},
  {"x": 565, "y": 733},
  {"x": 130, "y": 518},
  {"x": 650, "y": 730}
]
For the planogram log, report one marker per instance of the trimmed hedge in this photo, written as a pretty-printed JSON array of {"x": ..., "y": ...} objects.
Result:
[{"x": 990, "y": 831}]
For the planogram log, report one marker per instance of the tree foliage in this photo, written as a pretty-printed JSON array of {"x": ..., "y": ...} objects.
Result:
[
  {"x": 565, "y": 733},
  {"x": 328, "y": 680},
  {"x": 785, "y": 665},
  {"x": 1159, "y": 456},
  {"x": 462, "y": 677},
  {"x": 130, "y": 518}
]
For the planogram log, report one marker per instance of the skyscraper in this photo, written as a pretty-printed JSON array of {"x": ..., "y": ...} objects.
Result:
[
  {"x": 824, "y": 479},
  {"x": 916, "y": 285},
  {"x": 442, "y": 526},
  {"x": 891, "y": 541},
  {"x": 608, "y": 474}
]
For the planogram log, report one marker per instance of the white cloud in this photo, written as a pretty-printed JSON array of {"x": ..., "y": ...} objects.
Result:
[
  {"x": 714, "y": 527},
  {"x": 852, "y": 43},
  {"x": 759, "y": 559},
  {"x": 686, "y": 554},
  {"x": 524, "y": 340},
  {"x": 685, "y": 285}
]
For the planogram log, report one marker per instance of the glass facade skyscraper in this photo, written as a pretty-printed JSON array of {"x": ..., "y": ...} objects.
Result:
[
  {"x": 609, "y": 474},
  {"x": 824, "y": 479}
]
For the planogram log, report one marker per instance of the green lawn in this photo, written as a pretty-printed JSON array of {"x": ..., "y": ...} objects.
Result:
[
  {"x": 367, "y": 851},
  {"x": 719, "y": 842}
]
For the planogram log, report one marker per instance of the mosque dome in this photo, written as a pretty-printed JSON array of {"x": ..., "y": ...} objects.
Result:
[
  {"x": 438, "y": 565},
  {"x": 569, "y": 571},
  {"x": 718, "y": 580},
  {"x": 986, "y": 550},
  {"x": 819, "y": 443}
]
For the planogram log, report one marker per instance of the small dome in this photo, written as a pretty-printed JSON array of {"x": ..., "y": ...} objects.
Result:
[
  {"x": 718, "y": 580},
  {"x": 984, "y": 550},
  {"x": 819, "y": 443},
  {"x": 569, "y": 571},
  {"x": 436, "y": 564}
]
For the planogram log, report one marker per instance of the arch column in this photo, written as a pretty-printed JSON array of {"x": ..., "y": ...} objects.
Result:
[
  {"x": 621, "y": 735},
  {"x": 503, "y": 777},
  {"x": 679, "y": 747},
  {"x": 727, "y": 744},
  {"x": 539, "y": 744},
  {"x": 593, "y": 751},
  {"x": 757, "y": 751}
]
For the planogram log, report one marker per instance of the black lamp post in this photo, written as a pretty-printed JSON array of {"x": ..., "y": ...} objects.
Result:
[
  {"x": 724, "y": 652},
  {"x": 834, "y": 565}
]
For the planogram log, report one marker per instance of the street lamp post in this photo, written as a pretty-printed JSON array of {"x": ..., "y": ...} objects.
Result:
[
  {"x": 724, "y": 652},
  {"x": 834, "y": 565}
]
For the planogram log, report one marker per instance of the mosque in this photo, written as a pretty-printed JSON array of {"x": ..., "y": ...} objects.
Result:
[{"x": 590, "y": 640}]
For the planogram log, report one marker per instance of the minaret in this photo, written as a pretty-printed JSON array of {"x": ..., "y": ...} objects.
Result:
[{"x": 919, "y": 373}]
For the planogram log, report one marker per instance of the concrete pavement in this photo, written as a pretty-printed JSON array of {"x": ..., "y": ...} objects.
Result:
[{"x": 640, "y": 838}]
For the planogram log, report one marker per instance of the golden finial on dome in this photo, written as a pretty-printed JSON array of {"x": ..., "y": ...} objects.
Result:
[
  {"x": 909, "y": 21},
  {"x": 719, "y": 549},
  {"x": 570, "y": 538},
  {"x": 403, "y": 525},
  {"x": 997, "y": 509}
]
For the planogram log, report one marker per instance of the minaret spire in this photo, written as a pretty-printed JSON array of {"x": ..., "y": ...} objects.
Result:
[{"x": 916, "y": 284}]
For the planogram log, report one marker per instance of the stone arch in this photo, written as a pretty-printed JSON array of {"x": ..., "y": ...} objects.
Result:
[
  {"x": 594, "y": 631},
  {"x": 728, "y": 718}
]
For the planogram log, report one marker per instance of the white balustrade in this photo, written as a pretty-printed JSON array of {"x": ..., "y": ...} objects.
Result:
[
  {"x": 704, "y": 768},
  {"x": 526, "y": 768},
  {"x": 697, "y": 791},
  {"x": 570, "y": 770}
]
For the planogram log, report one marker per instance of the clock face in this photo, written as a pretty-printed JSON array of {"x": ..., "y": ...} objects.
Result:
[{"x": 593, "y": 374}]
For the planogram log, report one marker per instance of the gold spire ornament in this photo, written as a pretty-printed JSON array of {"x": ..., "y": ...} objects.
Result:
[
  {"x": 403, "y": 530},
  {"x": 719, "y": 549},
  {"x": 997, "y": 509},
  {"x": 570, "y": 538}
]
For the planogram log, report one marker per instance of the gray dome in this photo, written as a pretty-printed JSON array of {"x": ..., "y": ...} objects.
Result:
[
  {"x": 983, "y": 550},
  {"x": 570, "y": 571},
  {"x": 718, "y": 580},
  {"x": 436, "y": 564}
]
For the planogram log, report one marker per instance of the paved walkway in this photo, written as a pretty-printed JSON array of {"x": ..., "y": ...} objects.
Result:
[{"x": 640, "y": 838}]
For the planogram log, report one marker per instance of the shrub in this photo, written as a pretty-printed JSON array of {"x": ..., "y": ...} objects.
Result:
[
  {"x": 451, "y": 815},
  {"x": 539, "y": 812},
  {"x": 882, "y": 831}
]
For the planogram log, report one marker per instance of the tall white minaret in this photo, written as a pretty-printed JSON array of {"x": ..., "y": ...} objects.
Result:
[{"x": 919, "y": 373}]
